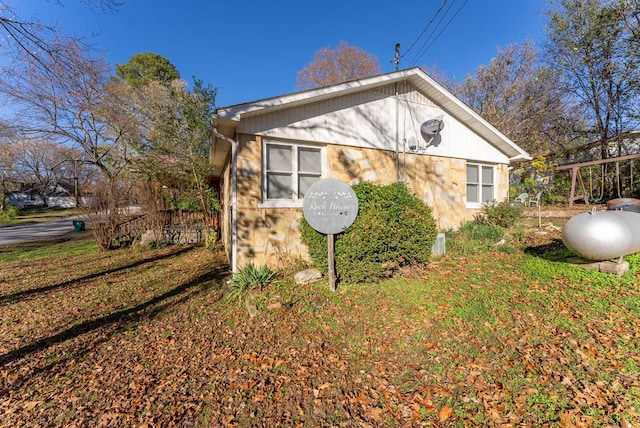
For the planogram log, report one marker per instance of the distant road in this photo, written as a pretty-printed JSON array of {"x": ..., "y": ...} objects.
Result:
[{"x": 38, "y": 231}]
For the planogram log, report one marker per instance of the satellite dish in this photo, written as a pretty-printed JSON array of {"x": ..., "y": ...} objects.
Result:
[{"x": 431, "y": 128}]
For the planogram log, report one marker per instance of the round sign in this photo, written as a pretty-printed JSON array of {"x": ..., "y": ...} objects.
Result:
[{"x": 330, "y": 206}]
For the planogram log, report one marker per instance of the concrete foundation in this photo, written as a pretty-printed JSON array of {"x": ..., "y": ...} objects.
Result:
[{"x": 606, "y": 266}]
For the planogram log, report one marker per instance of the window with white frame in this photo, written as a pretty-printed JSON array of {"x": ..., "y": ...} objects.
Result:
[
  {"x": 289, "y": 170},
  {"x": 480, "y": 183}
]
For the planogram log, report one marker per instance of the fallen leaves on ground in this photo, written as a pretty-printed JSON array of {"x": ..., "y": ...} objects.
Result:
[{"x": 144, "y": 338}]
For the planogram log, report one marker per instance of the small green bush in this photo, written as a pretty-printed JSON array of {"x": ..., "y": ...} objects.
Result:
[
  {"x": 248, "y": 278},
  {"x": 9, "y": 212},
  {"x": 393, "y": 229},
  {"x": 503, "y": 214},
  {"x": 158, "y": 244}
]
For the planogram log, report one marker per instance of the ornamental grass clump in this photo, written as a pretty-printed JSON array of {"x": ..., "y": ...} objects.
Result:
[
  {"x": 249, "y": 278},
  {"x": 393, "y": 229}
]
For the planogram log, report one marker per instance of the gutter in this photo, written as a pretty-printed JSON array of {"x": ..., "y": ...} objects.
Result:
[
  {"x": 523, "y": 157},
  {"x": 234, "y": 196}
]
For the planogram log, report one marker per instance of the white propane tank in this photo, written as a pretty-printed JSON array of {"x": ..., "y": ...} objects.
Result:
[{"x": 603, "y": 235}]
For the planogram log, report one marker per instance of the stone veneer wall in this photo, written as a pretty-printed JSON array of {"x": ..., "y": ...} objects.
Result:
[
  {"x": 225, "y": 215},
  {"x": 272, "y": 235},
  {"x": 265, "y": 235}
]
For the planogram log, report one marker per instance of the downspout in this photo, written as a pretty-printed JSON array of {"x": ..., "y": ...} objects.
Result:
[
  {"x": 397, "y": 134},
  {"x": 234, "y": 198}
]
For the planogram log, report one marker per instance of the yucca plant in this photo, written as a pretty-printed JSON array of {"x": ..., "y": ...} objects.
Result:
[{"x": 248, "y": 278}]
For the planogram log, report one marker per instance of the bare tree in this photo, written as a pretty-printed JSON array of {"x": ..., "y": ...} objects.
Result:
[
  {"x": 28, "y": 36},
  {"x": 521, "y": 98},
  {"x": 36, "y": 164},
  {"x": 593, "y": 46},
  {"x": 66, "y": 102},
  {"x": 7, "y": 174},
  {"x": 342, "y": 64}
]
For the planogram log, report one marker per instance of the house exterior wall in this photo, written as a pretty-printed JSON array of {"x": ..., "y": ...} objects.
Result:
[
  {"x": 19, "y": 199},
  {"x": 226, "y": 216},
  {"x": 374, "y": 119},
  {"x": 264, "y": 235},
  {"x": 272, "y": 235},
  {"x": 364, "y": 130}
]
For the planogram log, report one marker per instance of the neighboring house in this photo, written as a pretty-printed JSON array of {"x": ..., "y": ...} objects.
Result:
[
  {"x": 267, "y": 152},
  {"x": 28, "y": 196},
  {"x": 623, "y": 144}
]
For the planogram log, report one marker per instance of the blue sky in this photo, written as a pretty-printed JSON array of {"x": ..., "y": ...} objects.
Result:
[{"x": 253, "y": 49}]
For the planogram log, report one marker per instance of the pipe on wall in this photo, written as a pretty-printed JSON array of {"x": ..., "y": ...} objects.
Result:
[{"x": 234, "y": 198}]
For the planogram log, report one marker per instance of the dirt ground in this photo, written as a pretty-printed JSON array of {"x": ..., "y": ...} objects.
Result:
[{"x": 559, "y": 214}]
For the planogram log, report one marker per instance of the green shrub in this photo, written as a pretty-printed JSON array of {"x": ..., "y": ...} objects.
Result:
[
  {"x": 158, "y": 244},
  {"x": 248, "y": 278},
  {"x": 503, "y": 214},
  {"x": 9, "y": 212},
  {"x": 393, "y": 229}
]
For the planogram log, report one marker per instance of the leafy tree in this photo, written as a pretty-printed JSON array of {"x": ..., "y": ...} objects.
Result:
[
  {"x": 182, "y": 134},
  {"x": 521, "y": 98},
  {"x": 147, "y": 67},
  {"x": 172, "y": 132},
  {"x": 332, "y": 66},
  {"x": 593, "y": 46}
]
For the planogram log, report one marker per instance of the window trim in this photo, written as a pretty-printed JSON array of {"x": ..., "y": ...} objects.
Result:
[
  {"x": 481, "y": 165},
  {"x": 295, "y": 145}
]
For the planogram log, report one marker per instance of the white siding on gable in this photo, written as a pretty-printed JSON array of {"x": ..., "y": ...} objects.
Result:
[
  {"x": 350, "y": 120},
  {"x": 374, "y": 119}
]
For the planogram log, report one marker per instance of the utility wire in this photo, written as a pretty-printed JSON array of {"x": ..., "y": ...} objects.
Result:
[
  {"x": 425, "y": 49},
  {"x": 444, "y": 3},
  {"x": 446, "y": 12}
]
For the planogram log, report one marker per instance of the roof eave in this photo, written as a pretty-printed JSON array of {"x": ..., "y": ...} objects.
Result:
[{"x": 418, "y": 78}]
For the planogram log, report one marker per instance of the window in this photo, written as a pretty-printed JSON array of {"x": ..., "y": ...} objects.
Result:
[
  {"x": 290, "y": 169},
  {"x": 480, "y": 184}
]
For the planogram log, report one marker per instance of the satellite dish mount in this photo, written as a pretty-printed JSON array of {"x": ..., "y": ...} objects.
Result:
[{"x": 429, "y": 130}]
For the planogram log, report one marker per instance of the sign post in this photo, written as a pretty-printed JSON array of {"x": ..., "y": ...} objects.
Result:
[
  {"x": 332, "y": 261},
  {"x": 330, "y": 206}
]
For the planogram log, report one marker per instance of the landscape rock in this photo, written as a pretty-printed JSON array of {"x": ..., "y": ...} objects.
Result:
[
  {"x": 307, "y": 276},
  {"x": 147, "y": 237}
]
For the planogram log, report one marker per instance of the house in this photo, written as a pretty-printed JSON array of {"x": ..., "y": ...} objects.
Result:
[
  {"x": 622, "y": 144},
  {"x": 396, "y": 126},
  {"x": 29, "y": 195}
]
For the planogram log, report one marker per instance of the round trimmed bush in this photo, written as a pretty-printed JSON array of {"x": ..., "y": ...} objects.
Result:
[{"x": 393, "y": 229}]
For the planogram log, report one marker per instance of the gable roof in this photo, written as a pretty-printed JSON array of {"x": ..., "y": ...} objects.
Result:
[{"x": 225, "y": 119}]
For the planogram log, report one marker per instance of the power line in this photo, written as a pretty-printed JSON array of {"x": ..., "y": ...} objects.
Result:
[
  {"x": 433, "y": 31},
  {"x": 425, "y": 49},
  {"x": 425, "y": 28}
]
